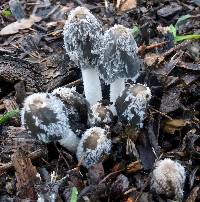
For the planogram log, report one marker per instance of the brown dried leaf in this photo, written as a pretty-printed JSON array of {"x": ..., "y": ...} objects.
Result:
[
  {"x": 193, "y": 195},
  {"x": 15, "y": 27},
  {"x": 126, "y": 5},
  {"x": 134, "y": 167},
  {"x": 170, "y": 126}
]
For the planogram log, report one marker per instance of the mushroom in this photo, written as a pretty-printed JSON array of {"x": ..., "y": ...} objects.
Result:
[
  {"x": 168, "y": 178},
  {"x": 82, "y": 33},
  {"x": 93, "y": 146},
  {"x": 99, "y": 114},
  {"x": 46, "y": 118},
  {"x": 132, "y": 103},
  {"x": 77, "y": 106},
  {"x": 118, "y": 60}
]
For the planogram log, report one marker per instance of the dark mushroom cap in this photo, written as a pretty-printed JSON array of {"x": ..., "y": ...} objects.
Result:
[
  {"x": 99, "y": 115},
  {"x": 45, "y": 117},
  {"x": 81, "y": 35},
  {"x": 93, "y": 146},
  {"x": 118, "y": 55},
  {"x": 131, "y": 105},
  {"x": 77, "y": 107}
]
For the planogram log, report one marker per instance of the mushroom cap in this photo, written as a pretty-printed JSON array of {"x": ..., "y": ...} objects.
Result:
[
  {"x": 168, "y": 178},
  {"x": 93, "y": 145},
  {"x": 99, "y": 114},
  {"x": 77, "y": 107},
  {"x": 45, "y": 117},
  {"x": 81, "y": 35},
  {"x": 132, "y": 103},
  {"x": 118, "y": 55}
]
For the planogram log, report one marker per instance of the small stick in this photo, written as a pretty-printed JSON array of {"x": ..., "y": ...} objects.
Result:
[
  {"x": 113, "y": 173},
  {"x": 33, "y": 155},
  {"x": 152, "y": 46},
  {"x": 163, "y": 114},
  {"x": 74, "y": 83}
]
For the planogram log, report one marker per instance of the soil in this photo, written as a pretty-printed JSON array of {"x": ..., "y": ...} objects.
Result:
[{"x": 33, "y": 59}]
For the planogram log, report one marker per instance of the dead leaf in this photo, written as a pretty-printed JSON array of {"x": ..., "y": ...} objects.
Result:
[
  {"x": 193, "y": 195},
  {"x": 125, "y": 5},
  {"x": 15, "y": 27},
  {"x": 170, "y": 126},
  {"x": 134, "y": 167}
]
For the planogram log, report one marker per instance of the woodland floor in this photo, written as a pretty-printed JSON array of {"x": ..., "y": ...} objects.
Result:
[{"x": 32, "y": 59}]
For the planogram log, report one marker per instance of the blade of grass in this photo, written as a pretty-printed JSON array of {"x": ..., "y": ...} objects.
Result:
[
  {"x": 8, "y": 115},
  {"x": 74, "y": 195}
]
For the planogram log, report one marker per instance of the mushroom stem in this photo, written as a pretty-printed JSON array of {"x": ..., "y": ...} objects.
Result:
[
  {"x": 116, "y": 89},
  {"x": 70, "y": 142},
  {"x": 92, "y": 85}
]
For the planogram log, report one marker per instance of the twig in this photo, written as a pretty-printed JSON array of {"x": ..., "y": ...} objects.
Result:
[
  {"x": 163, "y": 114},
  {"x": 152, "y": 46},
  {"x": 74, "y": 83},
  {"x": 110, "y": 174}
]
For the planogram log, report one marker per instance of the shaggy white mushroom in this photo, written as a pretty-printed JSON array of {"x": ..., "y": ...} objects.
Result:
[
  {"x": 118, "y": 59},
  {"x": 99, "y": 114},
  {"x": 94, "y": 145},
  {"x": 46, "y": 118},
  {"x": 82, "y": 32},
  {"x": 132, "y": 103},
  {"x": 168, "y": 178},
  {"x": 77, "y": 106}
]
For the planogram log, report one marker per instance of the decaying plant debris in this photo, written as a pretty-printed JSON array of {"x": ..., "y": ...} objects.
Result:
[{"x": 33, "y": 59}]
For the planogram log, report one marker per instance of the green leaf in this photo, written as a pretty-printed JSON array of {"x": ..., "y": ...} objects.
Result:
[
  {"x": 182, "y": 19},
  {"x": 187, "y": 37},
  {"x": 74, "y": 194},
  {"x": 135, "y": 30},
  {"x": 8, "y": 115},
  {"x": 172, "y": 30},
  {"x": 6, "y": 12}
]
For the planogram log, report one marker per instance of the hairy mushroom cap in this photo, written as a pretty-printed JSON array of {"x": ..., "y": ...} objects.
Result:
[
  {"x": 131, "y": 105},
  {"x": 93, "y": 146},
  {"x": 100, "y": 114},
  {"x": 81, "y": 35},
  {"x": 77, "y": 107},
  {"x": 118, "y": 55},
  {"x": 168, "y": 178},
  {"x": 46, "y": 118}
]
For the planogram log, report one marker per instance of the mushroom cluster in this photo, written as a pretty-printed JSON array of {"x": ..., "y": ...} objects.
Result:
[{"x": 78, "y": 123}]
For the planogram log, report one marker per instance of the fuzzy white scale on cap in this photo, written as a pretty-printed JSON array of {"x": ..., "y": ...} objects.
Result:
[
  {"x": 168, "y": 178},
  {"x": 100, "y": 114},
  {"x": 131, "y": 105},
  {"x": 82, "y": 33},
  {"x": 46, "y": 118},
  {"x": 93, "y": 146}
]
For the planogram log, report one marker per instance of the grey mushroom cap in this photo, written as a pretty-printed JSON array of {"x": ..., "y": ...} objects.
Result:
[
  {"x": 118, "y": 55},
  {"x": 45, "y": 117},
  {"x": 131, "y": 105},
  {"x": 99, "y": 115},
  {"x": 93, "y": 146},
  {"x": 81, "y": 33},
  {"x": 77, "y": 106}
]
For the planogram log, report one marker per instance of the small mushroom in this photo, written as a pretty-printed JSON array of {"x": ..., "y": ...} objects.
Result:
[
  {"x": 168, "y": 178},
  {"x": 99, "y": 114},
  {"x": 77, "y": 106},
  {"x": 46, "y": 118},
  {"x": 82, "y": 32},
  {"x": 118, "y": 59},
  {"x": 132, "y": 103},
  {"x": 94, "y": 145}
]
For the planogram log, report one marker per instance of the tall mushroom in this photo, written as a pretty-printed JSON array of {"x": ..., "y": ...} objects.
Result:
[
  {"x": 118, "y": 59},
  {"x": 46, "y": 118},
  {"x": 82, "y": 32}
]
